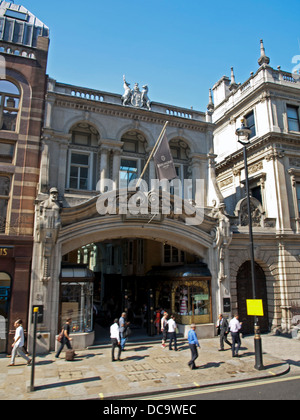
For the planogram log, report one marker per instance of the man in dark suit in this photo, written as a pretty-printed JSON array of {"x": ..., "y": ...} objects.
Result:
[{"x": 222, "y": 326}]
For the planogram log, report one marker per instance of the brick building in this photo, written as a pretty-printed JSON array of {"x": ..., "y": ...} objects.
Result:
[{"x": 23, "y": 53}]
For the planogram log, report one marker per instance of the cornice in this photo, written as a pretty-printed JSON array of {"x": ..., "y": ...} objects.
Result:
[
  {"x": 120, "y": 111},
  {"x": 274, "y": 150},
  {"x": 264, "y": 91}
]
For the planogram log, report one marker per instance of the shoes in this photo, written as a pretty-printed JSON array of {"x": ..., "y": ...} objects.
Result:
[
  {"x": 11, "y": 364},
  {"x": 221, "y": 350},
  {"x": 29, "y": 362},
  {"x": 120, "y": 360},
  {"x": 163, "y": 346}
]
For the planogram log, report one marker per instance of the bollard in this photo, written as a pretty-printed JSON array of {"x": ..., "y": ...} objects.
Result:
[{"x": 35, "y": 316}]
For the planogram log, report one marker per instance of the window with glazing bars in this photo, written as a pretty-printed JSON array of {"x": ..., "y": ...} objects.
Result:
[{"x": 293, "y": 117}]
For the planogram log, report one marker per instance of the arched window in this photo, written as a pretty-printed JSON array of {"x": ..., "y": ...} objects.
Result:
[
  {"x": 9, "y": 104},
  {"x": 4, "y": 197}
]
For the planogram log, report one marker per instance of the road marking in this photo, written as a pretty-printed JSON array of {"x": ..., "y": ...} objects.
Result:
[
  {"x": 101, "y": 396},
  {"x": 210, "y": 390}
]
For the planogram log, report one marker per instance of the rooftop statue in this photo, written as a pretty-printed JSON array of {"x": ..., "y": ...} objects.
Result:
[{"x": 135, "y": 97}]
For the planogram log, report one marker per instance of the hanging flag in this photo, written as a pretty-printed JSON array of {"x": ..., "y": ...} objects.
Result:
[{"x": 164, "y": 161}]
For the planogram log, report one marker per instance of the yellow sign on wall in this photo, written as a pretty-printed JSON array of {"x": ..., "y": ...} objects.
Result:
[{"x": 255, "y": 307}]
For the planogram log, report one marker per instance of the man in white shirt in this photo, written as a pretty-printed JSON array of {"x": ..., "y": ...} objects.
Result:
[
  {"x": 235, "y": 326},
  {"x": 115, "y": 339},
  {"x": 172, "y": 332},
  {"x": 18, "y": 344}
]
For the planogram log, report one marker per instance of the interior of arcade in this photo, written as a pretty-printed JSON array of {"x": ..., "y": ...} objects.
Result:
[{"x": 140, "y": 276}]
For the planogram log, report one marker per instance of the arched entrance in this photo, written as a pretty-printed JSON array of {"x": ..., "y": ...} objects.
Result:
[
  {"x": 122, "y": 274},
  {"x": 244, "y": 292},
  {"x": 5, "y": 293},
  {"x": 123, "y": 248}
]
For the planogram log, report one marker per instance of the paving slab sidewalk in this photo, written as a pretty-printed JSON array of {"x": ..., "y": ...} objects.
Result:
[{"x": 146, "y": 368}]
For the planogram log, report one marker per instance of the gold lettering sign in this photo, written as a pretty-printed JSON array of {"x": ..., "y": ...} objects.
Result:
[{"x": 3, "y": 252}]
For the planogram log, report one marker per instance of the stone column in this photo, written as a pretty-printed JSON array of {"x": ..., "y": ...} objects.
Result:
[
  {"x": 116, "y": 167},
  {"x": 199, "y": 164},
  {"x": 104, "y": 166},
  {"x": 48, "y": 110},
  {"x": 62, "y": 167},
  {"x": 44, "y": 170}
]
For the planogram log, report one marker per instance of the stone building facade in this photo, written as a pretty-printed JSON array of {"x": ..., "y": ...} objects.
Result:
[
  {"x": 89, "y": 245},
  {"x": 92, "y": 137},
  {"x": 269, "y": 102}
]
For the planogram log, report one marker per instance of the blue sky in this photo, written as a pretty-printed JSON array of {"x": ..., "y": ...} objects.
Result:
[{"x": 179, "y": 48}]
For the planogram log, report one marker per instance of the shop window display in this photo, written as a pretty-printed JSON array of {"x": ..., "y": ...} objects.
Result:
[
  {"x": 77, "y": 303},
  {"x": 192, "y": 301}
]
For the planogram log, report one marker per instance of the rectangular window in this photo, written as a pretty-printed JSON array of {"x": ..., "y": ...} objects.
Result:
[
  {"x": 172, "y": 254},
  {"x": 293, "y": 118},
  {"x": 4, "y": 197},
  {"x": 27, "y": 40},
  {"x": 15, "y": 14},
  {"x": 250, "y": 121},
  {"x": 79, "y": 171},
  {"x": 128, "y": 171},
  {"x": 256, "y": 193},
  {"x": 6, "y": 152}
]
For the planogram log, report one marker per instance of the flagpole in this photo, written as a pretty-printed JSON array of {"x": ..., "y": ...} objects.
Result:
[{"x": 152, "y": 153}]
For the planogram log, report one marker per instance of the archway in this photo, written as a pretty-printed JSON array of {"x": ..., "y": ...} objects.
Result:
[{"x": 244, "y": 292}]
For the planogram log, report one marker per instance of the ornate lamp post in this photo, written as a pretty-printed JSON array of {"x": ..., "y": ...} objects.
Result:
[{"x": 243, "y": 134}]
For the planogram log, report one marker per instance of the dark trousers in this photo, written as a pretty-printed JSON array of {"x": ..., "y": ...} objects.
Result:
[
  {"x": 172, "y": 337},
  {"x": 223, "y": 337},
  {"x": 194, "y": 355},
  {"x": 64, "y": 341},
  {"x": 236, "y": 341},
  {"x": 115, "y": 344}
]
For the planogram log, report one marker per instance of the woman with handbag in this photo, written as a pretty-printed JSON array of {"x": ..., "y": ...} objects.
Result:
[{"x": 65, "y": 337}]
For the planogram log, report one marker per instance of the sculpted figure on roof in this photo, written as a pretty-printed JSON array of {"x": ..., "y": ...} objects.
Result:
[{"x": 135, "y": 97}]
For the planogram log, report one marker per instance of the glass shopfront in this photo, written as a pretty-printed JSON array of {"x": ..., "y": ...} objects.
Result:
[
  {"x": 5, "y": 292},
  {"x": 191, "y": 301},
  {"x": 184, "y": 291},
  {"x": 76, "y": 299}
]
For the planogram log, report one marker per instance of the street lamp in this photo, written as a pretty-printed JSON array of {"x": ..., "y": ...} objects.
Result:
[{"x": 243, "y": 134}]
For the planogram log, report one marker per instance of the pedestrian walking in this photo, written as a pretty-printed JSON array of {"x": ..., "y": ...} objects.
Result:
[
  {"x": 115, "y": 340},
  {"x": 157, "y": 321},
  {"x": 66, "y": 339},
  {"x": 172, "y": 332},
  {"x": 123, "y": 325},
  {"x": 193, "y": 343},
  {"x": 222, "y": 328},
  {"x": 17, "y": 345},
  {"x": 164, "y": 329},
  {"x": 235, "y": 327}
]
